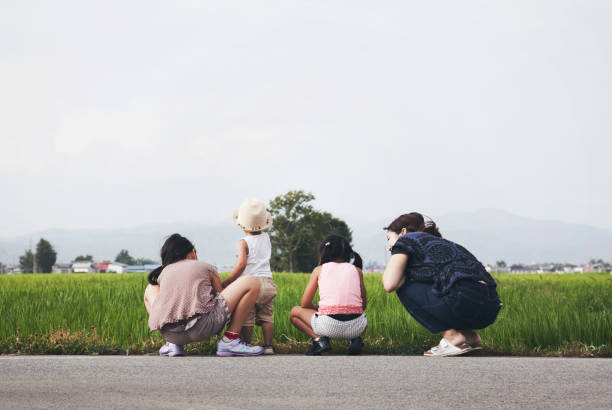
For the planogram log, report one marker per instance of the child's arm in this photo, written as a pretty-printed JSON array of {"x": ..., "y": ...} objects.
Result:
[
  {"x": 311, "y": 290},
  {"x": 243, "y": 251},
  {"x": 364, "y": 297}
]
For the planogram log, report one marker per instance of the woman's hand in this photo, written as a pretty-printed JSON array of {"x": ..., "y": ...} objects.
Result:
[{"x": 393, "y": 277}]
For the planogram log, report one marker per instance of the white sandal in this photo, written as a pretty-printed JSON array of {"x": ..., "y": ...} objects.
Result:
[{"x": 447, "y": 349}]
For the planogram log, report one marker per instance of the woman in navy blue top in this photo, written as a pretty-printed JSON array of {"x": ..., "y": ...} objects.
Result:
[{"x": 442, "y": 285}]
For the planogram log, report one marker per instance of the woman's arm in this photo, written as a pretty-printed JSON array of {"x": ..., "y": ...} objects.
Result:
[
  {"x": 393, "y": 277},
  {"x": 311, "y": 289},
  {"x": 364, "y": 297},
  {"x": 216, "y": 282},
  {"x": 243, "y": 251}
]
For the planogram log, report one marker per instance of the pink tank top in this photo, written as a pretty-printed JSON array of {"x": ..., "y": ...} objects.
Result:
[{"x": 339, "y": 289}]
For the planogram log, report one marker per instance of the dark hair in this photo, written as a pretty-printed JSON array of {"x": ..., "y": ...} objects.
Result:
[
  {"x": 336, "y": 247},
  {"x": 176, "y": 248},
  {"x": 413, "y": 222}
]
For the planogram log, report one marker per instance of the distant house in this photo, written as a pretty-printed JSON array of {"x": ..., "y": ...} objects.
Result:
[
  {"x": 101, "y": 267},
  {"x": 61, "y": 268},
  {"x": 116, "y": 267},
  {"x": 140, "y": 268},
  {"x": 82, "y": 267}
]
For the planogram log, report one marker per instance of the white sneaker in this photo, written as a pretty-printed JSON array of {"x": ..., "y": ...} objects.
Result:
[
  {"x": 268, "y": 350},
  {"x": 237, "y": 347}
]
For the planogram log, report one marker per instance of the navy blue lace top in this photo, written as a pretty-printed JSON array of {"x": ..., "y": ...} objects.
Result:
[{"x": 439, "y": 261}]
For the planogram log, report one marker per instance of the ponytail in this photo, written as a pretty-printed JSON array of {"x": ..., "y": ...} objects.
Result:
[
  {"x": 336, "y": 247},
  {"x": 357, "y": 260},
  {"x": 176, "y": 248}
]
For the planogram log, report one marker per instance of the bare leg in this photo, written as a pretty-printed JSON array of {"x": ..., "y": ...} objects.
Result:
[
  {"x": 457, "y": 337},
  {"x": 300, "y": 317},
  {"x": 150, "y": 295},
  {"x": 240, "y": 297},
  {"x": 246, "y": 333},
  {"x": 267, "y": 328}
]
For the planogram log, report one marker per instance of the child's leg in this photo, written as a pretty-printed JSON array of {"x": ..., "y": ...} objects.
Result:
[
  {"x": 267, "y": 328},
  {"x": 246, "y": 333},
  {"x": 151, "y": 293},
  {"x": 240, "y": 297},
  {"x": 300, "y": 317}
]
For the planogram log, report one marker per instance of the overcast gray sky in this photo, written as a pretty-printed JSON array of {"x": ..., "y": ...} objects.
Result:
[{"x": 121, "y": 113}]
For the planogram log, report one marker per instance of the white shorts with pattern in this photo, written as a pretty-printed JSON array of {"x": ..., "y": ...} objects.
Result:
[{"x": 324, "y": 325}]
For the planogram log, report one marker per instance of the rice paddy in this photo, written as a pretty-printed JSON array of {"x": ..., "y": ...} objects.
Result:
[{"x": 547, "y": 314}]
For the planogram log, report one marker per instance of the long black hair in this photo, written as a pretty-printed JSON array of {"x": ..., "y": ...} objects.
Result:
[
  {"x": 176, "y": 248},
  {"x": 336, "y": 247}
]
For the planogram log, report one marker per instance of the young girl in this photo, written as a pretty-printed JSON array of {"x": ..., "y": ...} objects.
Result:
[
  {"x": 342, "y": 299},
  {"x": 186, "y": 304}
]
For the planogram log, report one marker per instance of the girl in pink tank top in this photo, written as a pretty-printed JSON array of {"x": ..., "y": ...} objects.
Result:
[{"x": 342, "y": 299}]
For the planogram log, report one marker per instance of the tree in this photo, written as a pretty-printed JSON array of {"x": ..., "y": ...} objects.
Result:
[
  {"x": 84, "y": 258},
  {"x": 45, "y": 256},
  {"x": 124, "y": 257},
  {"x": 297, "y": 231},
  {"x": 144, "y": 261},
  {"x": 26, "y": 262},
  {"x": 501, "y": 264},
  {"x": 2, "y": 268}
]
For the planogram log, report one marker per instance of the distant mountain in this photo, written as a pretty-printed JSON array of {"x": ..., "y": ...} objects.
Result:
[
  {"x": 489, "y": 234},
  {"x": 214, "y": 243},
  {"x": 493, "y": 235}
]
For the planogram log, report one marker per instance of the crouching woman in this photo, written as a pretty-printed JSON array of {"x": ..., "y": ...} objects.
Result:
[
  {"x": 186, "y": 304},
  {"x": 442, "y": 285}
]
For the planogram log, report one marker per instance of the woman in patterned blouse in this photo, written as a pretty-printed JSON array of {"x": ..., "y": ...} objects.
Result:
[{"x": 442, "y": 285}]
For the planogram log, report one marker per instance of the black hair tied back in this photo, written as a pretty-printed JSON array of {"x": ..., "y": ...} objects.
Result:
[
  {"x": 336, "y": 247},
  {"x": 176, "y": 248}
]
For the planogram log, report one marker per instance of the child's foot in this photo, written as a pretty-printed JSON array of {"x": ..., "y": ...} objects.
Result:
[
  {"x": 320, "y": 345},
  {"x": 355, "y": 346},
  {"x": 237, "y": 347},
  {"x": 171, "y": 350},
  {"x": 268, "y": 349}
]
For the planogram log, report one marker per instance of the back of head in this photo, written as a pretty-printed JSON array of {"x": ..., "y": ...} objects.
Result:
[
  {"x": 336, "y": 247},
  {"x": 176, "y": 248},
  {"x": 413, "y": 222}
]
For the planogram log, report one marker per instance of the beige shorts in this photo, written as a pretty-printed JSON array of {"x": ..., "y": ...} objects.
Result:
[
  {"x": 264, "y": 306},
  {"x": 200, "y": 327}
]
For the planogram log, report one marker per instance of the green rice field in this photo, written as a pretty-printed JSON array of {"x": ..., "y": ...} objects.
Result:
[{"x": 548, "y": 314}]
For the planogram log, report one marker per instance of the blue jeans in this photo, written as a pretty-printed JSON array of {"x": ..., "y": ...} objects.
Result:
[{"x": 468, "y": 305}]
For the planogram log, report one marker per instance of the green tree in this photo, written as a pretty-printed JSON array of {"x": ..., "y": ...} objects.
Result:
[
  {"x": 501, "y": 264},
  {"x": 124, "y": 257},
  {"x": 297, "y": 231},
  {"x": 45, "y": 256},
  {"x": 26, "y": 262},
  {"x": 84, "y": 258},
  {"x": 144, "y": 261}
]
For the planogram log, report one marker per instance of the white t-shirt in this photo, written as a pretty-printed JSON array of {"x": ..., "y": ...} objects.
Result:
[{"x": 258, "y": 259}]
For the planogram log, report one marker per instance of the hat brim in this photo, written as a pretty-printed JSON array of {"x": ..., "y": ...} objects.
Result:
[{"x": 236, "y": 215}]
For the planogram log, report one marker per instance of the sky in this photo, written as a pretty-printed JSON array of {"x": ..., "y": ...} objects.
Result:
[{"x": 123, "y": 113}]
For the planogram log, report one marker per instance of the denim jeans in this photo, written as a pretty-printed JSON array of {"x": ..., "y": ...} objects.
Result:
[{"x": 468, "y": 305}]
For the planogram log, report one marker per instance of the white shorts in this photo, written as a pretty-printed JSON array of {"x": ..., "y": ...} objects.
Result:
[{"x": 324, "y": 325}]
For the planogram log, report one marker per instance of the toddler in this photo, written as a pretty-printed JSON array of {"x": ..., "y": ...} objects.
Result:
[{"x": 254, "y": 251}]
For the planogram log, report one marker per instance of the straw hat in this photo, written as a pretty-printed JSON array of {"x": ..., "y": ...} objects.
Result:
[{"x": 252, "y": 216}]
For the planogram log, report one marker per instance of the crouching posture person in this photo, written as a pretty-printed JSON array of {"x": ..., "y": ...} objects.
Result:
[
  {"x": 186, "y": 304},
  {"x": 342, "y": 299}
]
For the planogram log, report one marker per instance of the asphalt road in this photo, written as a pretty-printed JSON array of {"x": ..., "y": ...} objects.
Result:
[{"x": 327, "y": 382}]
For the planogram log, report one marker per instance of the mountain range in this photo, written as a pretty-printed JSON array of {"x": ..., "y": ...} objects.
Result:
[{"x": 490, "y": 234}]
